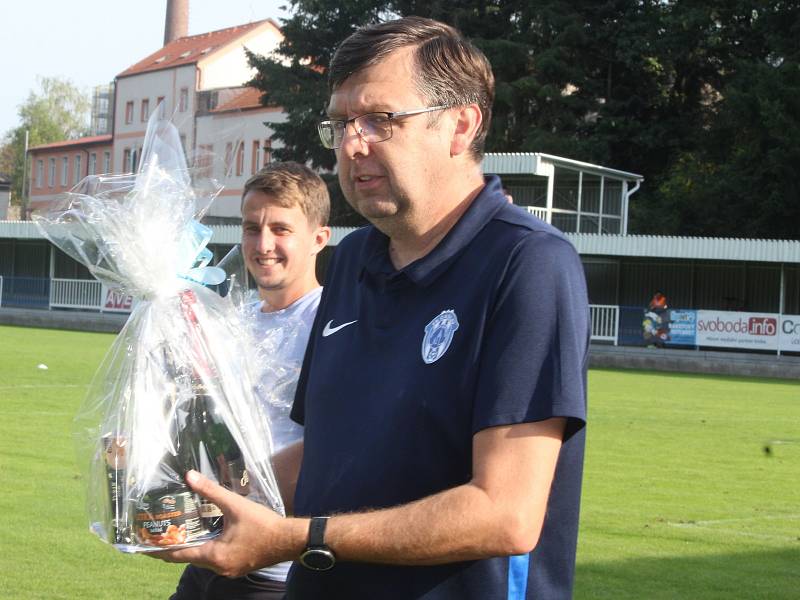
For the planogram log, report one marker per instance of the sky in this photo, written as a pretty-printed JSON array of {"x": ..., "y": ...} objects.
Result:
[{"x": 91, "y": 41}]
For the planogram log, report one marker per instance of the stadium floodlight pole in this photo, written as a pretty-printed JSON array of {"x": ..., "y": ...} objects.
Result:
[{"x": 23, "y": 201}]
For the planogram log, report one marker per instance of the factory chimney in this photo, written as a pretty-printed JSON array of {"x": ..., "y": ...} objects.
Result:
[{"x": 177, "y": 23}]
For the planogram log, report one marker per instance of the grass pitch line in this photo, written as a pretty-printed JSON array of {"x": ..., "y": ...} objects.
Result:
[
  {"x": 712, "y": 525},
  {"x": 789, "y": 517},
  {"x": 733, "y": 531}
]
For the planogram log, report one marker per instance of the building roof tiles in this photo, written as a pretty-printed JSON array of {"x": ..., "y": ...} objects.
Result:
[
  {"x": 190, "y": 49},
  {"x": 84, "y": 141}
]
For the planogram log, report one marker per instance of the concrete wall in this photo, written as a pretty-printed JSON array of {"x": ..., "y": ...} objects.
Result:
[
  {"x": 695, "y": 361},
  {"x": 63, "y": 319},
  {"x": 601, "y": 356}
]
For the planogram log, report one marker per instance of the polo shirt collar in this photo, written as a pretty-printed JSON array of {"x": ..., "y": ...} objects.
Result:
[{"x": 425, "y": 270}]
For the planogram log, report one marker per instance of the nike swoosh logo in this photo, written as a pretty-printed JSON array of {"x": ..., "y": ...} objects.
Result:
[{"x": 328, "y": 330}]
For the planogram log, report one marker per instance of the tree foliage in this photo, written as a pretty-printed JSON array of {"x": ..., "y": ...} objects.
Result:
[
  {"x": 699, "y": 97},
  {"x": 57, "y": 111}
]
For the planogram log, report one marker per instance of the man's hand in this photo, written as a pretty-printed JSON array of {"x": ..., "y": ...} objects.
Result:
[{"x": 253, "y": 536}]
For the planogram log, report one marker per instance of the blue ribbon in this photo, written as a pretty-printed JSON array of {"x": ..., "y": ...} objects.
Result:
[{"x": 195, "y": 256}]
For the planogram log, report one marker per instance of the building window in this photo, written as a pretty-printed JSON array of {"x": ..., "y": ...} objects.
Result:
[
  {"x": 184, "y": 103},
  {"x": 51, "y": 175},
  {"x": 126, "y": 160},
  {"x": 228, "y": 158},
  {"x": 145, "y": 109},
  {"x": 129, "y": 112},
  {"x": 160, "y": 107},
  {"x": 254, "y": 157},
  {"x": 39, "y": 173},
  {"x": 64, "y": 170},
  {"x": 93, "y": 163},
  {"x": 267, "y": 157},
  {"x": 204, "y": 159},
  {"x": 106, "y": 162},
  {"x": 240, "y": 159},
  {"x": 183, "y": 143},
  {"x": 76, "y": 169}
]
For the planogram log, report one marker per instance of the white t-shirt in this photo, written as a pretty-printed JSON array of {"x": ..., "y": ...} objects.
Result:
[{"x": 281, "y": 338}]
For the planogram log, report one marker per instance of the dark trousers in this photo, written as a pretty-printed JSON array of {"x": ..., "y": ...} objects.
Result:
[{"x": 201, "y": 584}]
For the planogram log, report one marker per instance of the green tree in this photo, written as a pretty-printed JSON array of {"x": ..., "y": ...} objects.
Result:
[
  {"x": 57, "y": 111},
  {"x": 697, "y": 97},
  {"x": 735, "y": 172}
]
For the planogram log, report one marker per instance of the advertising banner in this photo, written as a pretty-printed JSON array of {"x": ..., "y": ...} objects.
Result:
[
  {"x": 640, "y": 326},
  {"x": 746, "y": 331},
  {"x": 115, "y": 301},
  {"x": 790, "y": 333},
  {"x": 682, "y": 327}
]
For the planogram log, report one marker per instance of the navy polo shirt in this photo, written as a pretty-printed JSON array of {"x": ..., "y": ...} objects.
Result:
[{"x": 404, "y": 367}]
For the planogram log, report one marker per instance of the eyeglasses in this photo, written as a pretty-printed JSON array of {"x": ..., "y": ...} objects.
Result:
[{"x": 371, "y": 128}]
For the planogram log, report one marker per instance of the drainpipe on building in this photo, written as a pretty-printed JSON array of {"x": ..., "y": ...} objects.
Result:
[{"x": 628, "y": 195}]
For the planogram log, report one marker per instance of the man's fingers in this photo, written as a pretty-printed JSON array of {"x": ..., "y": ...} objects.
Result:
[
  {"x": 197, "y": 555},
  {"x": 211, "y": 491}
]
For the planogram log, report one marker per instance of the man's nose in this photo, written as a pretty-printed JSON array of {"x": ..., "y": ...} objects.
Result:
[
  {"x": 266, "y": 241},
  {"x": 352, "y": 142}
]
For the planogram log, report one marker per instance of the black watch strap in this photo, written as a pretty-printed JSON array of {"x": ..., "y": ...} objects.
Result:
[
  {"x": 317, "y": 556},
  {"x": 316, "y": 531}
]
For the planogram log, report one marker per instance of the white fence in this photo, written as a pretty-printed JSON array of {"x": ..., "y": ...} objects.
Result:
[
  {"x": 75, "y": 293},
  {"x": 605, "y": 322},
  {"x": 538, "y": 211},
  {"x": 89, "y": 294}
]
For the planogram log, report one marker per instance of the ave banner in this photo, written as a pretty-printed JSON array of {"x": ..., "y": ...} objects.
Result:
[{"x": 115, "y": 301}]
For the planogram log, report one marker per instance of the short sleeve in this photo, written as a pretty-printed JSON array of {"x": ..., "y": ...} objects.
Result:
[{"x": 535, "y": 349}]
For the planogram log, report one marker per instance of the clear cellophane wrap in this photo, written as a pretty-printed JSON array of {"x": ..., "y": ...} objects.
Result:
[{"x": 175, "y": 391}]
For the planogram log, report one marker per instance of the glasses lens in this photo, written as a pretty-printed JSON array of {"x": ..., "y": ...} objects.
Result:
[
  {"x": 327, "y": 134},
  {"x": 374, "y": 127}
]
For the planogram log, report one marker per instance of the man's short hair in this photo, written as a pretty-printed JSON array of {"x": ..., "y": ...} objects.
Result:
[
  {"x": 450, "y": 69},
  {"x": 291, "y": 184}
]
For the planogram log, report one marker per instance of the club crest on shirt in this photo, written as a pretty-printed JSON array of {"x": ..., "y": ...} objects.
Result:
[{"x": 438, "y": 335}]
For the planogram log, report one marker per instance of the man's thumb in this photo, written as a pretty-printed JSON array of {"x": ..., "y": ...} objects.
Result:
[{"x": 210, "y": 490}]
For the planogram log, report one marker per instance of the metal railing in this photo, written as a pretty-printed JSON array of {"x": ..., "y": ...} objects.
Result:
[
  {"x": 605, "y": 322},
  {"x": 75, "y": 293},
  {"x": 88, "y": 294},
  {"x": 538, "y": 211}
]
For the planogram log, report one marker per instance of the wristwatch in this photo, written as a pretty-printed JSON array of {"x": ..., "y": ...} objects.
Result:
[{"x": 317, "y": 556}]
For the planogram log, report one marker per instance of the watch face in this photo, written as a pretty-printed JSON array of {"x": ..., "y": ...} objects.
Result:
[{"x": 317, "y": 559}]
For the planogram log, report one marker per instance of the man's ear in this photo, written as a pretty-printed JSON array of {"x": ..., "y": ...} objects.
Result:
[
  {"x": 468, "y": 121},
  {"x": 321, "y": 237}
]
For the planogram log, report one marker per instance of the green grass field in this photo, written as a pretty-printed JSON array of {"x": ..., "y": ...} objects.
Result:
[{"x": 681, "y": 500}]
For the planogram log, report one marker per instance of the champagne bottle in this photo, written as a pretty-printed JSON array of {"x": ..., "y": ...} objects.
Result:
[
  {"x": 166, "y": 513},
  {"x": 213, "y": 444}
]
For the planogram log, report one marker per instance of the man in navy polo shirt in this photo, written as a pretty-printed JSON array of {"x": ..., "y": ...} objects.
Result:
[{"x": 443, "y": 392}]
